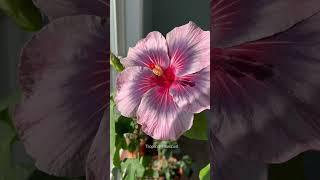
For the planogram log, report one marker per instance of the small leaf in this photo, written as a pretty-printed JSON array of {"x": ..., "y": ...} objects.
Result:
[
  {"x": 5, "y": 117},
  {"x": 115, "y": 63},
  {"x": 124, "y": 125},
  {"x": 168, "y": 175},
  {"x": 132, "y": 169},
  {"x": 205, "y": 173},
  {"x": 114, "y": 138},
  {"x": 116, "y": 156},
  {"x": 9, "y": 100},
  {"x": 119, "y": 125},
  {"x": 199, "y": 129},
  {"x": 151, "y": 173},
  {"x": 113, "y": 118},
  {"x": 23, "y": 12},
  {"x": 146, "y": 160}
]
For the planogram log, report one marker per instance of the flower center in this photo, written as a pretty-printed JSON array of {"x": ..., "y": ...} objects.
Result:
[
  {"x": 157, "y": 70},
  {"x": 163, "y": 77}
]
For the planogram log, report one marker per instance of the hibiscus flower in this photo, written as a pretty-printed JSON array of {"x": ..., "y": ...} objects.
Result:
[
  {"x": 64, "y": 76},
  {"x": 166, "y": 81},
  {"x": 264, "y": 83}
]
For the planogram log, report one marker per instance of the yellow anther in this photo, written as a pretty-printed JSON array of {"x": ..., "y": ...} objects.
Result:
[{"x": 157, "y": 70}]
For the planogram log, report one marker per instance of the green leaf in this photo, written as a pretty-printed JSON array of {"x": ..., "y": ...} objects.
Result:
[
  {"x": 168, "y": 175},
  {"x": 199, "y": 129},
  {"x": 205, "y": 173},
  {"x": 132, "y": 169},
  {"x": 114, "y": 138},
  {"x": 5, "y": 117},
  {"x": 9, "y": 100},
  {"x": 119, "y": 125},
  {"x": 23, "y": 12},
  {"x": 119, "y": 143},
  {"x": 124, "y": 125},
  {"x": 113, "y": 118},
  {"x": 115, "y": 63},
  {"x": 9, "y": 167},
  {"x": 146, "y": 160},
  {"x": 150, "y": 173}
]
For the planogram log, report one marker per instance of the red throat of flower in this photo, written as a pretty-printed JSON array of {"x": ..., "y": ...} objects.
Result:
[{"x": 163, "y": 78}]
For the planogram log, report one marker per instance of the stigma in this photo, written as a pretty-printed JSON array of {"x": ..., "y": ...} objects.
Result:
[{"x": 157, "y": 70}]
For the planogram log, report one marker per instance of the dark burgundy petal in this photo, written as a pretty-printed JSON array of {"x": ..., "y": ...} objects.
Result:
[
  {"x": 98, "y": 159},
  {"x": 64, "y": 75},
  {"x": 237, "y": 21},
  {"x": 265, "y": 94},
  {"x": 228, "y": 166},
  {"x": 60, "y": 8}
]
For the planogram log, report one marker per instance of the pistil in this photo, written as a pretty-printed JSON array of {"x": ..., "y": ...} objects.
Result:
[{"x": 157, "y": 70}]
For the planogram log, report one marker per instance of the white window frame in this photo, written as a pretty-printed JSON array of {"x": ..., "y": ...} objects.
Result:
[{"x": 126, "y": 23}]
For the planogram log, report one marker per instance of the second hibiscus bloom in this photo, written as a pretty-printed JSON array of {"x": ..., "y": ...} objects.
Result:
[{"x": 166, "y": 81}]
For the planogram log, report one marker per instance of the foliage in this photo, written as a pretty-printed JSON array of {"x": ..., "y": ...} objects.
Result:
[
  {"x": 9, "y": 100},
  {"x": 136, "y": 155},
  {"x": 199, "y": 130},
  {"x": 205, "y": 173},
  {"x": 115, "y": 63},
  {"x": 23, "y": 12}
]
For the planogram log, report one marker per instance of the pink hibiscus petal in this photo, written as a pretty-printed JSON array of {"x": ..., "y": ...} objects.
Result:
[
  {"x": 150, "y": 51},
  {"x": 160, "y": 117},
  {"x": 192, "y": 92},
  {"x": 132, "y": 83},
  {"x": 189, "y": 48}
]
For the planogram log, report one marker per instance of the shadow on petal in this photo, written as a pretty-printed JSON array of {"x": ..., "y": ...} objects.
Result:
[
  {"x": 61, "y": 8},
  {"x": 98, "y": 166},
  {"x": 265, "y": 94},
  {"x": 64, "y": 75},
  {"x": 228, "y": 166},
  {"x": 234, "y": 22}
]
